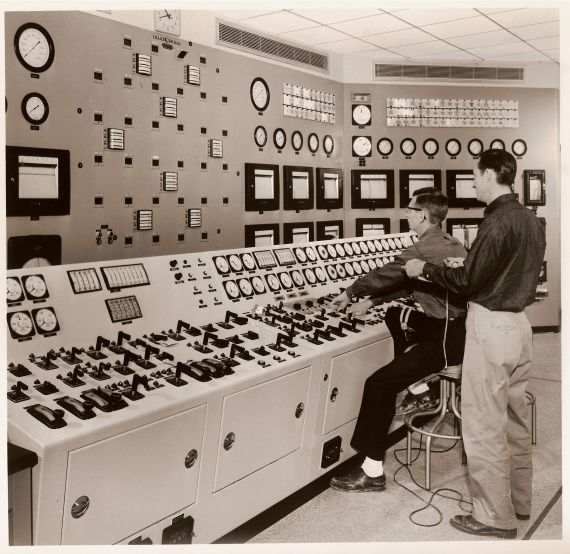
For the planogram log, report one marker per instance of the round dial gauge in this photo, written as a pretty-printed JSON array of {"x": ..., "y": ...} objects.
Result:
[
  {"x": 365, "y": 266},
  {"x": 371, "y": 246},
  {"x": 286, "y": 280},
  {"x": 323, "y": 252},
  {"x": 260, "y": 136},
  {"x": 408, "y": 146},
  {"x": 313, "y": 142},
  {"x": 332, "y": 272},
  {"x": 415, "y": 238},
  {"x": 453, "y": 147},
  {"x": 371, "y": 264},
  {"x": 235, "y": 262},
  {"x": 258, "y": 284},
  {"x": 385, "y": 146},
  {"x": 340, "y": 250},
  {"x": 356, "y": 248},
  {"x": 35, "y": 286},
  {"x": 297, "y": 278},
  {"x": 297, "y": 140},
  {"x": 357, "y": 268},
  {"x": 328, "y": 144},
  {"x": 364, "y": 247},
  {"x": 348, "y": 249},
  {"x": 279, "y": 138},
  {"x": 331, "y": 250},
  {"x": 349, "y": 269},
  {"x": 361, "y": 146},
  {"x": 320, "y": 274},
  {"x": 341, "y": 271},
  {"x": 398, "y": 242},
  {"x": 475, "y": 147},
  {"x": 519, "y": 147},
  {"x": 14, "y": 290},
  {"x": 35, "y": 108},
  {"x": 430, "y": 147},
  {"x": 405, "y": 242},
  {"x": 361, "y": 115},
  {"x": 34, "y": 47},
  {"x": 248, "y": 261},
  {"x": 385, "y": 244},
  {"x": 245, "y": 287},
  {"x": 311, "y": 254},
  {"x": 378, "y": 245},
  {"x": 300, "y": 255},
  {"x": 392, "y": 258},
  {"x": 231, "y": 289},
  {"x": 45, "y": 320},
  {"x": 20, "y": 324},
  {"x": 391, "y": 243},
  {"x": 310, "y": 275},
  {"x": 273, "y": 282},
  {"x": 221, "y": 264},
  {"x": 380, "y": 262},
  {"x": 498, "y": 144},
  {"x": 259, "y": 93}
]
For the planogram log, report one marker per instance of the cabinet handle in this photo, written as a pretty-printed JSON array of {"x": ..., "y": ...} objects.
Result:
[
  {"x": 229, "y": 441},
  {"x": 299, "y": 410},
  {"x": 191, "y": 458},
  {"x": 334, "y": 394}
]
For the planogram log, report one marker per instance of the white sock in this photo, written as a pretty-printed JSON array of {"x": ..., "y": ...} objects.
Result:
[{"x": 372, "y": 468}]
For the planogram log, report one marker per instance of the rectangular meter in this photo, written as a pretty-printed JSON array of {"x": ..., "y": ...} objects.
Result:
[{"x": 125, "y": 276}]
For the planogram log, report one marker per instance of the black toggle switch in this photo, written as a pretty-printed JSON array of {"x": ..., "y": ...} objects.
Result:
[
  {"x": 18, "y": 370},
  {"x": 177, "y": 381},
  {"x": 17, "y": 393}
]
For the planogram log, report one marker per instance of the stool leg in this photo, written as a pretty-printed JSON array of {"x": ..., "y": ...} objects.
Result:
[
  {"x": 409, "y": 449},
  {"x": 428, "y": 463},
  {"x": 533, "y": 422}
]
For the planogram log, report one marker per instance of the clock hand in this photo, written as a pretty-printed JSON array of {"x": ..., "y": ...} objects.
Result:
[{"x": 31, "y": 48}]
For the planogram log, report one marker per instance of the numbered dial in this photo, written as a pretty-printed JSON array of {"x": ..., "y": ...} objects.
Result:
[
  {"x": 391, "y": 243},
  {"x": 475, "y": 147},
  {"x": 20, "y": 324},
  {"x": 408, "y": 147},
  {"x": 357, "y": 268},
  {"x": 385, "y": 146},
  {"x": 279, "y": 138},
  {"x": 320, "y": 274},
  {"x": 519, "y": 147},
  {"x": 371, "y": 246},
  {"x": 361, "y": 147},
  {"x": 331, "y": 270},
  {"x": 232, "y": 289},
  {"x": 341, "y": 271},
  {"x": 245, "y": 287},
  {"x": 323, "y": 252},
  {"x": 260, "y": 136},
  {"x": 453, "y": 147},
  {"x": 371, "y": 264},
  {"x": 311, "y": 254},
  {"x": 328, "y": 144},
  {"x": 35, "y": 286},
  {"x": 398, "y": 242},
  {"x": 14, "y": 292},
  {"x": 430, "y": 147},
  {"x": 365, "y": 266},
  {"x": 273, "y": 282},
  {"x": 235, "y": 262},
  {"x": 167, "y": 21},
  {"x": 35, "y": 108},
  {"x": 259, "y": 93},
  {"x": 356, "y": 248},
  {"x": 248, "y": 262},
  {"x": 297, "y": 140},
  {"x": 331, "y": 250},
  {"x": 361, "y": 115},
  {"x": 364, "y": 248},
  {"x": 378, "y": 245},
  {"x": 497, "y": 144},
  {"x": 310, "y": 276},
  {"x": 258, "y": 284},
  {"x": 340, "y": 250},
  {"x": 300, "y": 255},
  {"x": 221, "y": 264},
  {"x": 297, "y": 278},
  {"x": 34, "y": 47},
  {"x": 349, "y": 269},
  {"x": 313, "y": 142},
  {"x": 286, "y": 280},
  {"x": 348, "y": 249},
  {"x": 46, "y": 321}
]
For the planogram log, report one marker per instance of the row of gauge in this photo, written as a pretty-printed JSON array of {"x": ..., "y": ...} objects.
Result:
[{"x": 260, "y": 136}]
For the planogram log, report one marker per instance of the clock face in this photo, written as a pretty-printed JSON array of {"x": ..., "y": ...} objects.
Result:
[
  {"x": 385, "y": 146},
  {"x": 356, "y": 248},
  {"x": 475, "y": 147},
  {"x": 430, "y": 147},
  {"x": 497, "y": 144},
  {"x": 328, "y": 144},
  {"x": 35, "y": 108},
  {"x": 167, "y": 21},
  {"x": 311, "y": 254},
  {"x": 258, "y": 284},
  {"x": 313, "y": 142},
  {"x": 408, "y": 146},
  {"x": 310, "y": 276},
  {"x": 260, "y": 136},
  {"x": 34, "y": 47},
  {"x": 235, "y": 262},
  {"x": 273, "y": 282},
  {"x": 245, "y": 287},
  {"x": 279, "y": 138},
  {"x": 519, "y": 147},
  {"x": 259, "y": 93},
  {"x": 297, "y": 140},
  {"x": 453, "y": 147},
  {"x": 361, "y": 147},
  {"x": 297, "y": 278},
  {"x": 361, "y": 114},
  {"x": 300, "y": 254}
]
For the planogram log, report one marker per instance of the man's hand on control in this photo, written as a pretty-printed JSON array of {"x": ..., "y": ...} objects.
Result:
[
  {"x": 360, "y": 308},
  {"x": 414, "y": 268},
  {"x": 340, "y": 302}
]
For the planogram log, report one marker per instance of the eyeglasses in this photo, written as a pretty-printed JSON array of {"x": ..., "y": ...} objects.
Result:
[{"x": 409, "y": 209}]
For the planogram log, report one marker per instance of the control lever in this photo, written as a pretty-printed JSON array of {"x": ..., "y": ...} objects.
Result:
[
  {"x": 132, "y": 393},
  {"x": 322, "y": 317},
  {"x": 18, "y": 370},
  {"x": 177, "y": 381},
  {"x": 145, "y": 363},
  {"x": 113, "y": 398},
  {"x": 164, "y": 356},
  {"x": 99, "y": 374},
  {"x": 82, "y": 410},
  {"x": 123, "y": 368},
  {"x": 51, "y": 418},
  {"x": 45, "y": 388},
  {"x": 96, "y": 353},
  {"x": 117, "y": 348},
  {"x": 73, "y": 377},
  {"x": 72, "y": 357},
  {"x": 335, "y": 330},
  {"x": 348, "y": 326},
  {"x": 251, "y": 335},
  {"x": 240, "y": 320},
  {"x": 45, "y": 361},
  {"x": 194, "y": 372},
  {"x": 277, "y": 346},
  {"x": 243, "y": 353},
  {"x": 17, "y": 394}
]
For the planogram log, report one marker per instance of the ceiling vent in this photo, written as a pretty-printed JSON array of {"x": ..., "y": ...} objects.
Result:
[
  {"x": 234, "y": 36},
  {"x": 395, "y": 72}
]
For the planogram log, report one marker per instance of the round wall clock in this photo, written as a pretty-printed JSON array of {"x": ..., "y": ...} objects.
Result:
[
  {"x": 453, "y": 147},
  {"x": 430, "y": 147},
  {"x": 408, "y": 147},
  {"x": 279, "y": 138},
  {"x": 475, "y": 147},
  {"x": 167, "y": 21},
  {"x": 259, "y": 93},
  {"x": 328, "y": 144},
  {"x": 313, "y": 142},
  {"x": 385, "y": 146},
  {"x": 361, "y": 147},
  {"x": 34, "y": 47},
  {"x": 297, "y": 140}
]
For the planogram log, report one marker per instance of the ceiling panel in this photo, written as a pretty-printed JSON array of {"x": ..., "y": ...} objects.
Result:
[
  {"x": 455, "y": 56},
  {"x": 279, "y": 22},
  {"x": 555, "y": 54},
  {"x": 399, "y": 38},
  {"x": 383, "y": 23},
  {"x": 525, "y": 16},
  {"x": 526, "y": 57},
  {"x": 434, "y": 15},
  {"x": 482, "y": 39},
  {"x": 421, "y": 51},
  {"x": 239, "y": 15},
  {"x": 503, "y": 50},
  {"x": 315, "y": 35},
  {"x": 469, "y": 26},
  {"x": 538, "y": 30},
  {"x": 546, "y": 43},
  {"x": 348, "y": 46},
  {"x": 327, "y": 16}
]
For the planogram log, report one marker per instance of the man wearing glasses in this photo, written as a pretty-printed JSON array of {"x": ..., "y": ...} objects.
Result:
[{"x": 424, "y": 342}]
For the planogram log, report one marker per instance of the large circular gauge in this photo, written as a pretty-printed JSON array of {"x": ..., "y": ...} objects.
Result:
[
  {"x": 297, "y": 278},
  {"x": 320, "y": 274},
  {"x": 378, "y": 245},
  {"x": 371, "y": 264},
  {"x": 398, "y": 242},
  {"x": 248, "y": 261},
  {"x": 331, "y": 270},
  {"x": 260, "y": 136},
  {"x": 364, "y": 247},
  {"x": 245, "y": 287},
  {"x": 258, "y": 284},
  {"x": 357, "y": 268},
  {"x": 34, "y": 47},
  {"x": 35, "y": 286},
  {"x": 259, "y": 93},
  {"x": 380, "y": 262},
  {"x": 430, "y": 147},
  {"x": 365, "y": 266},
  {"x": 14, "y": 290},
  {"x": 286, "y": 280},
  {"x": 331, "y": 250},
  {"x": 328, "y": 145},
  {"x": 453, "y": 147},
  {"x": 349, "y": 269},
  {"x": 341, "y": 271},
  {"x": 348, "y": 249},
  {"x": 371, "y": 246},
  {"x": 46, "y": 321},
  {"x": 231, "y": 289},
  {"x": 385, "y": 244},
  {"x": 385, "y": 146},
  {"x": 475, "y": 147},
  {"x": 311, "y": 254},
  {"x": 313, "y": 142},
  {"x": 20, "y": 324},
  {"x": 235, "y": 262},
  {"x": 310, "y": 276},
  {"x": 391, "y": 243},
  {"x": 519, "y": 147},
  {"x": 405, "y": 242},
  {"x": 497, "y": 144},
  {"x": 408, "y": 146},
  {"x": 361, "y": 115},
  {"x": 35, "y": 108},
  {"x": 300, "y": 255},
  {"x": 356, "y": 248},
  {"x": 279, "y": 138},
  {"x": 323, "y": 252},
  {"x": 273, "y": 282},
  {"x": 361, "y": 147},
  {"x": 340, "y": 250},
  {"x": 297, "y": 140},
  {"x": 221, "y": 264}
]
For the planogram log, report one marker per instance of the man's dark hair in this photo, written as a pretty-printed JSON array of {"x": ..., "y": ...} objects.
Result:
[
  {"x": 503, "y": 163},
  {"x": 433, "y": 201}
]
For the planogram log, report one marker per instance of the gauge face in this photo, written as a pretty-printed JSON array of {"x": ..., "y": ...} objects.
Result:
[
  {"x": 221, "y": 264},
  {"x": 349, "y": 269},
  {"x": 245, "y": 287},
  {"x": 415, "y": 238},
  {"x": 311, "y": 254},
  {"x": 332, "y": 272},
  {"x": 320, "y": 274},
  {"x": 371, "y": 264},
  {"x": 20, "y": 324},
  {"x": 405, "y": 242},
  {"x": 34, "y": 47},
  {"x": 260, "y": 136},
  {"x": 235, "y": 262},
  {"x": 248, "y": 261},
  {"x": 357, "y": 268},
  {"x": 430, "y": 147},
  {"x": 475, "y": 147},
  {"x": 398, "y": 242},
  {"x": 385, "y": 244},
  {"x": 231, "y": 289},
  {"x": 14, "y": 292},
  {"x": 378, "y": 245},
  {"x": 364, "y": 265},
  {"x": 313, "y": 142},
  {"x": 361, "y": 147},
  {"x": 310, "y": 276},
  {"x": 300, "y": 255},
  {"x": 340, "y": 250},
  {"x": 380, "y": 262},
  {"x": 323, "y": 252},
  {"x": 35, "y": 286},
  {"x": 519, "y": 147},
  {"x": 273, "y": 282},
  {"x": 297, "y": 140},
  {"x": 371, "y": 246},
  {"x": 297, "y": 278},
  {"x": 408, "y": 146},
  {"x": 35, "y": 108},
  {"x": 46, "y": 321},
  {"x": 453, "y": 147},
  {"x": 286, "y": 280},
  {"x": 356, "y": 248},
  {"x": 331, "y": 250},
  {"x": 279, "y": 138},
  {"x": 361, "y": 115},
  {"x": 341, "y": 271},
  {"x": 348, "y": 249},
  {"x": 364, "y": 248},
  {"x": 385, "y": 146},
  {"x": 497, "y": 144},
  {"x": 259, "y": 93},
  {"x": 328, "y": 144},
  {"x": 258, "y": 284},
  {"x": 391, "y": 243}
]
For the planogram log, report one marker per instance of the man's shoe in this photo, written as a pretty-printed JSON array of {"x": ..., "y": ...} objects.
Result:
[
  {"x": 358, "y": 481},
  {"x": 523, "y": 516},
  {"x": 468, "y": 524}
]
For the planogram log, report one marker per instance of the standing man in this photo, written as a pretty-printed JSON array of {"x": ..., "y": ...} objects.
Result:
[
  {"x": 424, "y": 342},
  {"x": 499, "y": 277}
]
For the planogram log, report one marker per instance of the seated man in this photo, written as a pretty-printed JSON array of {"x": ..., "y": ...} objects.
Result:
[{"x": 424, "y": 343}]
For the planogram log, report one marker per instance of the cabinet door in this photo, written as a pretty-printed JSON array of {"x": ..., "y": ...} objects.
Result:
[{"x": 261, "y": 425}]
